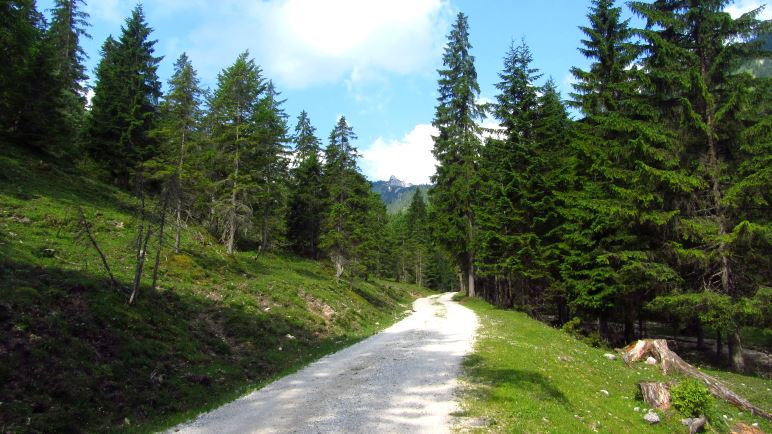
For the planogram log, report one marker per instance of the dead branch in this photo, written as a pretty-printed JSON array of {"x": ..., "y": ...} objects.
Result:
[
  {"x": 672, "y": 362},
  {"x": 91, "y": 238}
]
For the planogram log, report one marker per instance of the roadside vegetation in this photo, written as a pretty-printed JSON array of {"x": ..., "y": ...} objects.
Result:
[
  {"x": 77, "y": 358},
  {"x": 525, "y": 376}
]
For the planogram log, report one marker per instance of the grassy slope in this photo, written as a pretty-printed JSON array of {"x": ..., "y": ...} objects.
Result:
[
  {"x": 527, "y": 377},
  {"x": 74, "y": 357}
]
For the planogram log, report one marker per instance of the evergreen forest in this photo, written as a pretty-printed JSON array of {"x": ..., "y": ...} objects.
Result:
[{"x": 638, "y": 203}]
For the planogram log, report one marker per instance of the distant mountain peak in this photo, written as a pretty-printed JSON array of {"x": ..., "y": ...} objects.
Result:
[{"x": 395, "y": 182}]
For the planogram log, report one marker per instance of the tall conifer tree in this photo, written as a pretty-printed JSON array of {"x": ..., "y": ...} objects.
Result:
[
  {"x": 457, "y": 149},
  {"x": 306, "y": 196}
]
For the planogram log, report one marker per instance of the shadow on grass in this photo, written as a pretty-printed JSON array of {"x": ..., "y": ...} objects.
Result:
[
  {"x": 77, "y": 358},
  {"x": 531, "y": 382}
]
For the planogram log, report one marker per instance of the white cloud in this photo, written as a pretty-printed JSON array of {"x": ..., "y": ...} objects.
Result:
[
  {"x": 742, "y": 6},
  {"x": 409, "y": 159},
  {"x": 305, "y": 42}
]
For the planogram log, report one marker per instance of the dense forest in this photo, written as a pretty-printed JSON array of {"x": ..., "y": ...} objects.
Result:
[{"x": 655, "y": 204}]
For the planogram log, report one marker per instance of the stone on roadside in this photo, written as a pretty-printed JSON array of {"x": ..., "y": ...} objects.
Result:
[
  {"x": 610, "y": 356},
  {"x": 651, "y": 361}
]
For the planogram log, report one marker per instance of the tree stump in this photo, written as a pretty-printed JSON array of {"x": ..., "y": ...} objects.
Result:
[
  {"x": 672, "y": 362},
  {"x": 656, "y": 394}
]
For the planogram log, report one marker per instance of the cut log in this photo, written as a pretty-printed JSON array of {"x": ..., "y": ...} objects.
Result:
[
  {"x": 696, "y": 425},
  {"x": 656, "y": 394},
  {"x": 672, "y": 362}
]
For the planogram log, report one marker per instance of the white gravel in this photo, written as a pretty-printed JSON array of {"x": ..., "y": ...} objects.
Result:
[{"x": 401, "y": 380}]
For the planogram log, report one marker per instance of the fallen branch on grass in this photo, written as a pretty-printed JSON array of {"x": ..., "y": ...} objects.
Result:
[
  {"x": 672, "y": 362},
  {"x": 86, "y": 228}
]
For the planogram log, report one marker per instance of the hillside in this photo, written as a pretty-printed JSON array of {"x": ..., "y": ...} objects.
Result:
[
  {"x": 77, "y": 358},
  {"x": 525, "y": 376},
  {"x": 397, "y": 194}
]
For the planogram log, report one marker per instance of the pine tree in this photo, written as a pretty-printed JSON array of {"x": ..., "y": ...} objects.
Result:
[
  {"x": 125, "y": 103},
  {"x": 693, "y": 50},
  {"x": 457, "y": 149},
  {"x": 306, "y": 196},
  {"x": 233, "y": 108}
]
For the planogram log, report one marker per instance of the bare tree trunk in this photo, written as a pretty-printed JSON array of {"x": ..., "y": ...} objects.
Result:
[
  {"x": 470, "y": 276},
  {"x": 232, "y": 223},
  {"x": 736, "y": 351},
  {"x": 160, "y": 241},
  {"x": 179, "y": 194},
  {"x": 671, "y": 362}
]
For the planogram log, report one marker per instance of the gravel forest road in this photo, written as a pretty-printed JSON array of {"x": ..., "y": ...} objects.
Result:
[{"x": 401, "y": 380}]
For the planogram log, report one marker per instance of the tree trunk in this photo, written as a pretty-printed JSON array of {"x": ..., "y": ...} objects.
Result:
[
  {"x": 719, "y": 346},
  {"x": 656, "y": 394},
  {"x": 603, "y": 325},
  {"x": 629, "y": 325},
  {"x": 470, "y": 276},
  {"x": 179, "y": 194},
  {"x": 232, "y": 223},
  {"x": 671, "y": 362},
  {"x": 700, "y": 335},
  {"x": 736, "y": 351},
  {"x": 160, "y": 241}
]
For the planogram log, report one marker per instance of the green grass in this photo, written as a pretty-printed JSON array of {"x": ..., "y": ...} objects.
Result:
[
  {"x": 74, "y": 357},
  {"x": 526, "y": 377}
]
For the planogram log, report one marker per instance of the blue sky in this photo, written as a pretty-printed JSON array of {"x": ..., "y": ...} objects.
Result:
[{"x": 373, "y": 61}]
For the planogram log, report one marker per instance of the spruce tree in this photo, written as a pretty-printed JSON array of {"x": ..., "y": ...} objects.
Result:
[
  {"x": 179, "y": 126},
  {"x": 501, "y": 220},
  {"x": 457, "y": 149},
  {"x": 68, "y": 27},
  {"x": 234, "y": 106},
  {"x": 306, "y": 195},
  {"x": 350, "y": 228},
  {"x": 692, "y": 53},
  {"x": 271, "y": 166},
  {"x": 418, "y": 237},
  {"x": 624, "y": 166},
  {"x": 125, "y": 103},
  {"x": 20, "y": 38}
]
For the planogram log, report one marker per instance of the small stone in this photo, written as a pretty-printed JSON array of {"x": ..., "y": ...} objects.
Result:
[
  {"x": 651, "y": 417},
  {"x": 755, "y": 424},
  {"x": 290, "y": 337},
  {"x": 725, "y": 417},
  {"x": 636, "y": 409},
  {"x": 49, "y": 252},
  {"x": 610, "y": 356},
  {"x": 651, "y": 361},
  {"x": 687, "y": 421},
  {"x": 605, "y": 392}
]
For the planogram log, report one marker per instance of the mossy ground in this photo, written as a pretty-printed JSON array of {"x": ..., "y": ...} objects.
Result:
[
  {"x": 75, "y": 357},
  {"x": 526, "y": 377}
]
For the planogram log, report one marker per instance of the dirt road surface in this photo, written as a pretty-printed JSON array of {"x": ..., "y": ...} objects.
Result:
[{"x": 401, "y": 380}]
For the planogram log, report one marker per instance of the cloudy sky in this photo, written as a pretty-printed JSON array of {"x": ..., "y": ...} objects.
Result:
[{"x": 373, "y": 61}]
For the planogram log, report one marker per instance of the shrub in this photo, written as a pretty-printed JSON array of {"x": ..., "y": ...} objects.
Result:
[{"x": 691, "y": 398}]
